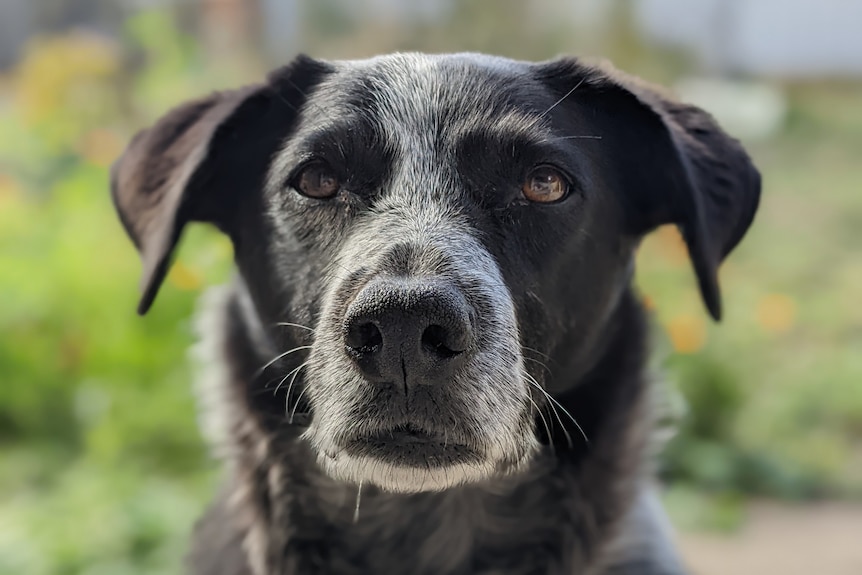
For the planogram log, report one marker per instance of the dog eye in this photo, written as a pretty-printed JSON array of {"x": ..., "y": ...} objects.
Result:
[
  {"x": 317, "y": 180},
  {"x": 545, "y": 185}
]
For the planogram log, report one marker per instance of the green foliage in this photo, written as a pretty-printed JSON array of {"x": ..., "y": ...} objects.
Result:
[
  {"x": 98, "y": 438},
  {"x": 101, "y": 466},
  {"x": 773, "y": 393}
]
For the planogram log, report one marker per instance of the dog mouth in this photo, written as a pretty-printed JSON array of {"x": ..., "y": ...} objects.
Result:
[
  {"x": 416, "y": 382},
  {"x": 411, "y": 446}
]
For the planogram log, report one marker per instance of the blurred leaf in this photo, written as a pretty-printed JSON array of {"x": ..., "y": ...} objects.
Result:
[{"x": 102, "y": 469}]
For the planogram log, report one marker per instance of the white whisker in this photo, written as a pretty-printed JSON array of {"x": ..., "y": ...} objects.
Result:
[
  {"x": 560, "y": 406},
  {"x": 558, "y": 102},
  {"x": 295, "y": 405},
  {"x": 557, "y": 415},
  {"x": 278, "y": 357},
  {"x": 544, "y": 421},
  {"x": 579, "y": 138},
  {"x": 358, "y": 499},
  {"x": 541, "y": 364},
  {"x": 537, "y": 352},
  {"x": 289, "y": 324},
  {"x": 294, "y": 372}
]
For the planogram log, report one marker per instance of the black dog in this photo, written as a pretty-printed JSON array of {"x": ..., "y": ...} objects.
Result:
[{"x": 431, "y": 360}]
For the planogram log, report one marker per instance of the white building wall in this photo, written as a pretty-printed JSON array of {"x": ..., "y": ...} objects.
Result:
[{"x": 782, "y": 38}]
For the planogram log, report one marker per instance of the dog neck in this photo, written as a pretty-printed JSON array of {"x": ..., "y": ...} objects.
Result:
[{"x": 290, "y": 517}]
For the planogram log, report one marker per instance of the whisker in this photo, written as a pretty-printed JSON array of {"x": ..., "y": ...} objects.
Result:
[
  {"x": 294, "y": 372},
  {"x": 541, "y": 364},
  {"x": 559, "y": 405},
  {"x": 290, "y": 386},
  {"x": 278, "y": 357},
  {"x": 554, "y": 410},
  {"x": 544, "y": 421},
  {"x": 558, "y": 102},
  {"x": 306, "y": 99},
  {"x": 295, "y": 405},
  {"x": 556, "y": 413},
  {"x": 289, "y": 324},
  {"x": 570, "y": 416},
  {"x": 578, "y": 138},
  {"x": 285, "y": 102},
  {"x": 358, "y": 499},
  {"x": 343, "y": 267},
  {"x": 537, "y": 352}
]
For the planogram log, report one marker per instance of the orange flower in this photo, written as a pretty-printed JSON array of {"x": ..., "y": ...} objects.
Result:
[
  {"x": 100, "y": 147},
  {"x": 671, "y": 245},
  {"x": 8, "y": 186},
  {"x": 687, "y": 333},
  {"x": 648, "y": 302},
  {"x": 776, "y": 313}
]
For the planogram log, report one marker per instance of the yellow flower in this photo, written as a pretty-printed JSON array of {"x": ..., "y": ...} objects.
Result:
[
  {"x": 65, "y": 84},
  {"x": 687, "y": 333},
  {"x": 185, "y": 277},
  {"x": 776, "y": 313}
]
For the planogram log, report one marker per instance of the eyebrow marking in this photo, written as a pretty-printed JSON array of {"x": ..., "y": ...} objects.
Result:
[{"x": 509, "y": 125}]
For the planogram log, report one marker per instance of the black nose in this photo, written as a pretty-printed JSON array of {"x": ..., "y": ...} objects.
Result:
[{"x": 408, "y": 331}]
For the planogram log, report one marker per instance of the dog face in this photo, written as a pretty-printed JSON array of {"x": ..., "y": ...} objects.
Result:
[{"x": 429, "y": 221}]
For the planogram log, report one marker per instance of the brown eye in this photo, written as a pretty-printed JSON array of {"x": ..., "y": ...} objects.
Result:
[
  {"x": 317, "y": 181},
  {"x": 545, "y": 185}
]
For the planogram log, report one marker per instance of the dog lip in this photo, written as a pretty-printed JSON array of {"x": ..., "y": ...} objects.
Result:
[
  {"x": 412, "y": 447},
  {"x": 406, "y": 434}
]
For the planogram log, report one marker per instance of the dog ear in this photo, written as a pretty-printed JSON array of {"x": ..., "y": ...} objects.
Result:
[
  {"x": 198, "y": 160},
  {"x": 672, "y": 161}
]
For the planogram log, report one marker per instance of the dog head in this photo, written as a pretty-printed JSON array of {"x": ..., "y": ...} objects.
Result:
[{"x": 413, "y": 226}]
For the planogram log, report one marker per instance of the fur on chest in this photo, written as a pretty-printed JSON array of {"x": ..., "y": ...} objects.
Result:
[
  {"x": 284, "y": 515},
  {"x": 536, "y": 522},
  {"x": 550, "y": 519}
]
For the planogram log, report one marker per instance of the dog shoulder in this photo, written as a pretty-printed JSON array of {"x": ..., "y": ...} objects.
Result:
[
  {"x": 217, "y": 544},
  {"x": 645, "y": 543}
]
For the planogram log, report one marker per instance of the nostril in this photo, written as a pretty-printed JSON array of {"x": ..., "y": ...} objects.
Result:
[
  {"x": 364, "y": 338},
  {"x": 436, "y": 339}
]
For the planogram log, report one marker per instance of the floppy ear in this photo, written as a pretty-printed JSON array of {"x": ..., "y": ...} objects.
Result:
[
  {"x": 198, "y": 160},
  {"x": 673, "y": 163}
]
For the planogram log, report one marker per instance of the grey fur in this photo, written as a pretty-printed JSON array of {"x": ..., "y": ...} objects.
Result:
[{"x": 549, "y": 409}]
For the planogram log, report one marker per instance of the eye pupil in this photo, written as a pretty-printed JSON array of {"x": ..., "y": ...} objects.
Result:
[{"x": 317, "y": 181}]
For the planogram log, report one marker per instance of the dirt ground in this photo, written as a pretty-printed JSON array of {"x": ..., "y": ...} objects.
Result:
[{"x": 822, "y": 539}]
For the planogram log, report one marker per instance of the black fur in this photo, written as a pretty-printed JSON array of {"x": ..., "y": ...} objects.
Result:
[
  {"x": 551, "y": 519},
  {"x": 436, "y": 148}
]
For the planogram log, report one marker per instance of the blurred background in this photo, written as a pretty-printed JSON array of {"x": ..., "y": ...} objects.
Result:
[{"x": 102, "y": 470}]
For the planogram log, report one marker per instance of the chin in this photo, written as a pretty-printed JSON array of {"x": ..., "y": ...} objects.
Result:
[{"x": 411, "y": 461}]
